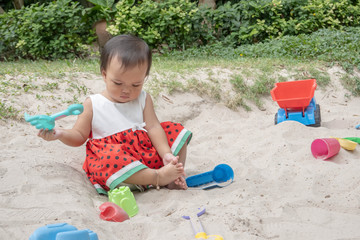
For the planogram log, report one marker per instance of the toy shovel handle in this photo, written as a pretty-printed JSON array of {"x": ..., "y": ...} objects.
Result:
[{"x": 74, "y": 109}]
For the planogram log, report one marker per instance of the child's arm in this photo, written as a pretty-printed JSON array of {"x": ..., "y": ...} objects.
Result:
[
  {"x": 78, "y": 134},
  {"x": 155, "y": 131}
]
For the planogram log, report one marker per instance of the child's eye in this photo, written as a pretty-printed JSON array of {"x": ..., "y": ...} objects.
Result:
[
  {"x": 136, "y": 85},
  {"x": 116, "y": 83}
]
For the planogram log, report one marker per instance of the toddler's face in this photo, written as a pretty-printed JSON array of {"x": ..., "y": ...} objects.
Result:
[{"x": 123, "y": 86}]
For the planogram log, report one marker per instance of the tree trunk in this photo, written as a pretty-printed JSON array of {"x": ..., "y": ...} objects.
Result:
[
  {"x": 208, "y": 3},
  {"x": 1, "y": 10},
  {"x": 102, "y": 35},
  {"x": 18, "y": 4}
]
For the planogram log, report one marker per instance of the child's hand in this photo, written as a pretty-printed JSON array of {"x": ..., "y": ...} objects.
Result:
[
  {"x": 168, "y": 157},
  {"x": 50, "y": 135}
]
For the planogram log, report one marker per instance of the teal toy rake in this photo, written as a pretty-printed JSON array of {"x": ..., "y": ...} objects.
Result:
[{"x": 48, "y": 122}]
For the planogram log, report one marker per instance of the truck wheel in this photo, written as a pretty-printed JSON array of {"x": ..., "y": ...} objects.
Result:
[
  {"x": 317, "y": 116},
  {"x": 318, "y": 109},
  {"x": 275, "y": 120}
]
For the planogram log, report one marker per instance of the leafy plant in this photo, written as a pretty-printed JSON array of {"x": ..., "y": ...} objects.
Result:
[
  {"x": 157, "y": 22},
  {"x": 48, "y": 31},
  {"x": 103, "y": 9},
  {"x": 326, "y": 45}
]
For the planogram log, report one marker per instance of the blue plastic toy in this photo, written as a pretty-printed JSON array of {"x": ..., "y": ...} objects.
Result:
[
  {"x": 48, "y": 122},
  {"x": 62, "y": 231},
  {"x": 357, "y": 127},
  {"x": 221, "y": 176},
  {"x": 297, "y": 103},
  {"x": 310, "y": 116}
]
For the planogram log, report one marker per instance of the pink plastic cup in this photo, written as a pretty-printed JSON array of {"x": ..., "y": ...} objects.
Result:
[
  {"x": 112, "y": 212},
  {"x": 325, "y": 148}
]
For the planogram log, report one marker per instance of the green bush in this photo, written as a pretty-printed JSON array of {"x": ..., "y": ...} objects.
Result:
[
  {"x": 253, "y": 21},
  {"x": 264, "y": 19},
  {"x": 48, "y": 31},
  {"x": 329, "y": 45},
  {"x": 164, "y": 22},
  {"x": 218, "y": 24},
  {"x": 181, "y": 24},
  {"x": 318, "y": 14},
  {"x": 61, "y": 29}
]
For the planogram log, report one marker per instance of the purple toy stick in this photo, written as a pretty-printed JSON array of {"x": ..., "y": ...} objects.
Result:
[{"x": 195, "y": 223}]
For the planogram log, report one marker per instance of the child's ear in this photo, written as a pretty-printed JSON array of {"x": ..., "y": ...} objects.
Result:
[{"x": 103, "y": 74}]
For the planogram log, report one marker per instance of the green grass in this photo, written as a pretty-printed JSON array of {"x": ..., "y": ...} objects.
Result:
[
  {"x": 250, "y": 79},
  {"x": 352, "y": 83},
  {"x": 7, "y": 112},
  {"x": 327, "y": 45},
  {"x": 51, "y": 69},
  {"x": 27, "y": 78},
  {"x": 234, "y": 77}
]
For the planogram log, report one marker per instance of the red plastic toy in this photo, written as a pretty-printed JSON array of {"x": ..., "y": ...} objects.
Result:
[
  {"x": 294, "y": 95},
  {"x": 296, "y": 101},
  {"x": 112, "y": 212}
]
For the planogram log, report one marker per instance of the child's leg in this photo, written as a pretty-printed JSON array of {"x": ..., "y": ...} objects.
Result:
[
  {"x": 182, "y": 155},
  {"x": 162, "y": 177},
  {"x": 180, "y": 183}
]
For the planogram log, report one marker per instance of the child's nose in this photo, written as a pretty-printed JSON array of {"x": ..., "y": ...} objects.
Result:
[{"x": 126, "y": 90}]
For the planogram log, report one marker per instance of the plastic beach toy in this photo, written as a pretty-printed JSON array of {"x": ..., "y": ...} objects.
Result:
[
  {"x": 198, "y": 228},
  {"x": 112, "y": 212},
  {"x": 347, "y": 144},
  {"x": 221, "y": 176},
  {"x": 125, "y": 199},
  {"x": 297, "y": 102},
  {"x": 325, "y": 148},
  {"x": 62, "y": 231},
  {"x": 354, "y": 139},
  {"x": 48, "y": 122},
  {"x": 357, "y": 126}
]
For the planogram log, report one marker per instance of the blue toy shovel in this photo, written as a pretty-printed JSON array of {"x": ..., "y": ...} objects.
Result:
[
  {"x": 48, "y": 122},
  {"x": 62, "y": 231},
  {"x": 221, "y": 176}
]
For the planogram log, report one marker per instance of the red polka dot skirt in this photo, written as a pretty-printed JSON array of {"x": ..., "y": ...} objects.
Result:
[{"x": 111, "y": 160}]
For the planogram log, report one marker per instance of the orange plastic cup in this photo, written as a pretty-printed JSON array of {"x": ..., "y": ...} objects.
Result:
[{"x": 325, "y": 148}]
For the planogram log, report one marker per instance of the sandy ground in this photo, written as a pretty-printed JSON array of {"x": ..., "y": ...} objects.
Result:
[{"x": 280, "y": 190}]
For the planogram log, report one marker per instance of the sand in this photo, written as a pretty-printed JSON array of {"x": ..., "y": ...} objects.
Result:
[{"x": 280, "y": 191}]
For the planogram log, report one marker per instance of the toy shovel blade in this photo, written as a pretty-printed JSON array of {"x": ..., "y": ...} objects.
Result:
[
  {"x": 48, "y": 122},
  {"x": 347, "y": 144},
  {"x": 40, "y": 121},
  {"x": 221, "y": 176},
  {"x": 354, "y": 139}
]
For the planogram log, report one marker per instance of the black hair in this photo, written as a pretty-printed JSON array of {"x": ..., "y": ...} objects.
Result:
[{"x": 130, "y": 50}]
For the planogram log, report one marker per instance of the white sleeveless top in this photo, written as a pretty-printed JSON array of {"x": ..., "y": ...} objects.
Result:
[{"x": 110, "y": 117}]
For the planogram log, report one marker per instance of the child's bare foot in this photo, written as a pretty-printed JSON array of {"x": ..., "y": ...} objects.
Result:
[
  {"x": 168, "y": 158},
  {"x": 170, "y": 172},
  {"x": 179, "y": 183}
]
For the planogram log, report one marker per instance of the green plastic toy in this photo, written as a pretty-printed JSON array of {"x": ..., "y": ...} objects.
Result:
[
  {"x": 125, "y": 199},
  {"x": 354, "y": 139}
]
